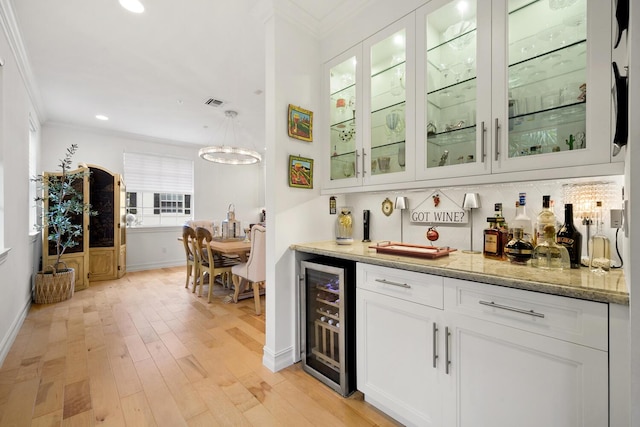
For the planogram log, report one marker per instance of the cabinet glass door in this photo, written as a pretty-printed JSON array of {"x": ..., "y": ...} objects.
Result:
[
  {"x": 388, "y": 99},
  {"x": 547, "y": 76},
  {"x": 342, "y": 118},
  {"x": 451, "y": 85}
]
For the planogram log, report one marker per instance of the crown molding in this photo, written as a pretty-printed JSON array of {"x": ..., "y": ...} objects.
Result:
[{"x": 12, "y": 31}]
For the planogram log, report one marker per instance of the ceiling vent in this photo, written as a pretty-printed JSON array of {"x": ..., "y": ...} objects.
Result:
[{"x": 214, "y": 102}]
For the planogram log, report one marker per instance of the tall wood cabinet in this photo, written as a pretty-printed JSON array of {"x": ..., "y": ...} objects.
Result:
[
  {"x": 107, "y": 231},
  {"x": 101, "y": 250}
]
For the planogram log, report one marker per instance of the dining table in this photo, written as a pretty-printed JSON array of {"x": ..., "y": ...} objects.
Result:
[{"x": 239, "y": 247}]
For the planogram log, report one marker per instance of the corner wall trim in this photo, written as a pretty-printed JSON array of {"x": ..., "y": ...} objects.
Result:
[{"x": 277, "y": 361}]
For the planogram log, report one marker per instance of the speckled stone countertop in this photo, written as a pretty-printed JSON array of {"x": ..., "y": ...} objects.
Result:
[{"x": 575, "y": 283}]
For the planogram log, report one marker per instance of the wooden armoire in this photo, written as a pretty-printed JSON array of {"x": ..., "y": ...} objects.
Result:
[{"x": 101, "y": 251}]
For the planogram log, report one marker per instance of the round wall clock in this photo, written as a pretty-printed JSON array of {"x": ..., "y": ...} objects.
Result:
[{"x": 387, "y": 207}]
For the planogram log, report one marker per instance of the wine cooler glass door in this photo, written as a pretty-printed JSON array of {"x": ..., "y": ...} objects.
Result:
[{"x": 323, "y": 319}]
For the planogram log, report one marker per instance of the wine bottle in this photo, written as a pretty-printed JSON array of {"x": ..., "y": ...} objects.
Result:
[{"x": 570, "y": 237}]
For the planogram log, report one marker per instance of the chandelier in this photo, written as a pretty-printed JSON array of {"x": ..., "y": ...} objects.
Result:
[{"x": 230, "y": 155}]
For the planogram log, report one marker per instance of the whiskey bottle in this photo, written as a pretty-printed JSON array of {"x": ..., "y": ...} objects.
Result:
[
  {"x": 545, "y": 217},
  {"x": 495, "y": 238},
  {"x": 518, "y": 251},
  {"x": 548, "y": 254},
  {"x": 570, "y": 237}
]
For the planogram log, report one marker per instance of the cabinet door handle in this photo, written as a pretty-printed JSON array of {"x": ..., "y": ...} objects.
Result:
[
  {"x": 357, "y": 156},
  {"x": 364, "y": 170},
  {"x": 435, "y": 345},
  {"x": 387, "y": 282},
  {"x": 483, "y": 134},
  {"x": 447, "y": 335},
  {"x": 497, "y": 139},
  {"x": 517, "y": 310}
]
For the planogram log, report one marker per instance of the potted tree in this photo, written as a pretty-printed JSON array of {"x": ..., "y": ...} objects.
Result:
[{"x": 56, "y": 282}]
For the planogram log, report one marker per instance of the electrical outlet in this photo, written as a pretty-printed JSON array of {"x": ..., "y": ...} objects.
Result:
[{"x": 616, "y": 218}]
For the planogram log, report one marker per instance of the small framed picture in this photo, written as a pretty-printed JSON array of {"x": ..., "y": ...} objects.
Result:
[
  {"x": 300, "y": 123},
  {"x": 300, "y": 172}
]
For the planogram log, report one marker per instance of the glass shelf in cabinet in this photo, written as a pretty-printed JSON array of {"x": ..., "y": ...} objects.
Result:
[
  {"x": 344, "y": 124},
  {"x": 390, "y": 107},
  {"x": 394, "y": 67},
  {"x": 455, "y": 94},
  {"x": 569, "y": 51},
  {"x": 387, "y": 145},
  {"x": 463, "y": 39},
  {"x": 567, "y": 113},
  {"x": 452, "y": 136},
  {"x": 350, "y": 88}
]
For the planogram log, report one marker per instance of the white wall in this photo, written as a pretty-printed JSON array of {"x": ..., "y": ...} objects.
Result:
[
  {"x": 293, "y": 214},
  {"x": 16, "y": 270},
  {"x": 216, "y": 186}
]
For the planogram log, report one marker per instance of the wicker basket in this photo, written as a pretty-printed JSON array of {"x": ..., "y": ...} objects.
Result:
[{"x": 54, "y": 286}]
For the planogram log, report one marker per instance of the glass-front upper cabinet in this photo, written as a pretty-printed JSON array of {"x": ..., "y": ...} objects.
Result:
[
  {"x": 389, "y": 99},
  {"x": 454, "y": 66},
  {"x": 345, "y": 139},
  {"x": 552, "y": 87},
  {"x": 512, "y": 85}
]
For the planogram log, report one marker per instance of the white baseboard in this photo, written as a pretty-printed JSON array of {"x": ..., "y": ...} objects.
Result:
[
  {"x": 277, "y": 361},
  {"x": 10, "y": 337},
  {"x": 155, "y": 265}
]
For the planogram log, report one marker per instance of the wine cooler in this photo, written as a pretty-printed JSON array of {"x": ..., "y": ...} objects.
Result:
[{"x": 328, "y": 322}]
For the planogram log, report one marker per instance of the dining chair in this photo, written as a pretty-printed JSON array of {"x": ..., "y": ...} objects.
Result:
[
  {"x": 210, "y": 262},
  {"x": 188, "y": 239},
  {"x": 254, "y": 270}
]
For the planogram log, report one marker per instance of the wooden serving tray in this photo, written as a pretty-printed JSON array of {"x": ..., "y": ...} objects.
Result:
[{"x": 406, "y": 249}]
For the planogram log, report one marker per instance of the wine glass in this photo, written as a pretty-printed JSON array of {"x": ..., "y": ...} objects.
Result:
[{"x": 247, "y": 234}]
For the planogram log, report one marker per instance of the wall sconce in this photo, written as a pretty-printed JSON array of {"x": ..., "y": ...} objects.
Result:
[
  {"x": 470, "y": 202},
  {"x": 401, "y": 204}
]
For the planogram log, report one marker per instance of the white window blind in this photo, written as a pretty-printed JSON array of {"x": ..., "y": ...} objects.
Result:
[{"x": 157, "y": 174}]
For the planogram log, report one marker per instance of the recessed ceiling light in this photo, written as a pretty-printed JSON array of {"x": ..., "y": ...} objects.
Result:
[
  {"x": 102, "y": 117},
  {"x": 132, "y": 5}
]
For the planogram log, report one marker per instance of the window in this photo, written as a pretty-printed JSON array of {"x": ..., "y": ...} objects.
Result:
[{"x": 159, "y": 189}]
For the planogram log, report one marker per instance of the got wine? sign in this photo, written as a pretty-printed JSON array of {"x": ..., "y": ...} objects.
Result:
[{"x": 440, "y": 209}]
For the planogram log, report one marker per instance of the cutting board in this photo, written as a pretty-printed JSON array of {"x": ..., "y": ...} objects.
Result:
[{"x": 406, "y": 249}]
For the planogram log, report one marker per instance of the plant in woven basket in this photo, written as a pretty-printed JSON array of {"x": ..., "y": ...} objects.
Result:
[{"x": 65, "y": 203}]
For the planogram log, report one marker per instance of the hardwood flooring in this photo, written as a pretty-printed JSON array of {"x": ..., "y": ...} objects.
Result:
[{"x": 145, "y": 351}]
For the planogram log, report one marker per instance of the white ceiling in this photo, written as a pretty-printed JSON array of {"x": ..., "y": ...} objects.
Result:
[{"x": 152, "y": 73}]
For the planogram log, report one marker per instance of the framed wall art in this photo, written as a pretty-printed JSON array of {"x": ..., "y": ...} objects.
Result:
[
  {"x": 300, "y": 172},
  {"x": 300, "y": 123}
]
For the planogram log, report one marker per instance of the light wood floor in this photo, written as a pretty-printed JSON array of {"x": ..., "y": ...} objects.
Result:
[{"x": 145, "y": 351}]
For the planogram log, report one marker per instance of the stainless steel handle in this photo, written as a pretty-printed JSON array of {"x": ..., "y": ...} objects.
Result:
[
  {"x": 364, "y": 170},
  {"x": 497, "y": 139},
  {"x": 447, "y": 334},
  {"x": 435, "y": 345},
  {"x": 506, "y": 307},
  {"x": 483, "y": 149},
  {"x": 356, "y": 162},
  {"x": 387, "y": 282}
]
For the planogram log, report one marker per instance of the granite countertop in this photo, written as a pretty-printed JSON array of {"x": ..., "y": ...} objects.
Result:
[{"x": 575, "y": 283}]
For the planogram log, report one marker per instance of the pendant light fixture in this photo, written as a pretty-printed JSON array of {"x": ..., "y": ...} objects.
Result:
[{"x": 227, "y": 154}]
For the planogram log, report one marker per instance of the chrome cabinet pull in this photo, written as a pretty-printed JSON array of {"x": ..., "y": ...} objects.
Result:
[
  {"x": 497, "y": 139},
  {"x": 447, "y": 335},
  {"x": 435, "y": 345},
  {"x": 387, "y": 282},
  {"x": 506, "y": 307},
  {"x": 357, "y": 171},
  {"x": 483, "y": 134},
  {"x": 364, "y": 170}
]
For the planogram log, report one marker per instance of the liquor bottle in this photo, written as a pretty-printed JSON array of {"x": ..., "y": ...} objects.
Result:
[
  {"x": 495, "y": 239},
  {"x": 548, "y": 254},
  {"x": 599, "y": 248},
  {"x": 570, "y": 237},
  {"x": 522, "y": 220},
  {"x": 545, "y": 217},
  {"x": 518, "y": 250}
]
